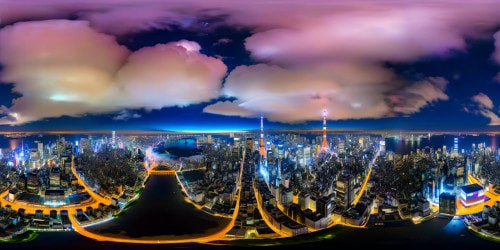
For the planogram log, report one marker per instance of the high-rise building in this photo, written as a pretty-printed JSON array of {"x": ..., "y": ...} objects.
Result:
[
  {"x": 447, "y": 204},
  {"x": 113, "y": 137},
  {"x": 40, "y": 150},
  {"x": 307, "y": 155},
  {"x": 455, "y": 145},
  {"x": 324, "y": 207},
  {"x": 344, "y": 191},
  {"x": 304, "y": 200},
  {"x": 341, "y": 147},
  {"x": 55, "y": 178},
  {"x": 250, "y": 144},
  {"x": 286, "y": 196},
  {"x": 85, "y": 146},
  {"x": 382, "y": 146}
]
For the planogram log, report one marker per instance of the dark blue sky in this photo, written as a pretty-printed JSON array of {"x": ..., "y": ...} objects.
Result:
[{"x": 469, "y": 72}]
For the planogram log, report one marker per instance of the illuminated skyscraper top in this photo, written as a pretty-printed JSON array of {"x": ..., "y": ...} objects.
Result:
[
  {"x": 262, "y": 149},
  {"x": 324, "y": 145}
]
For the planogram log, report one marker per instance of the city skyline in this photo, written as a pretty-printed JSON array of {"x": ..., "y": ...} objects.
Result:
[{"x": 427, "y": 68}]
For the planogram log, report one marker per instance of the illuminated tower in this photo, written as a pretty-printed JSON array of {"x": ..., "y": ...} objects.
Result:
[
  {"x": 324, "y": 145},
  {"x": 262, "y": 149}
]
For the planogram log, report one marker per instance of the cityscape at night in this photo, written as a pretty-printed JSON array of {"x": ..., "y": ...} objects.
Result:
[{"x": 149, "y": 124}]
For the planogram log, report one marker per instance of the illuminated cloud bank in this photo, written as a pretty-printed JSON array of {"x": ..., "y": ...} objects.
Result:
[
  {"x": 349, "y": 91},
  {"x": 63, "y": 67}
]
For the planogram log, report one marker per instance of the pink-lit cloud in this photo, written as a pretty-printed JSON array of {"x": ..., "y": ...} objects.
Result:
[
  {"x": 63, "y": 67},
  {"x": 348, "y": 91},
  {"x": 483, "y": 101},
  {"x": 483, "y": 105}
]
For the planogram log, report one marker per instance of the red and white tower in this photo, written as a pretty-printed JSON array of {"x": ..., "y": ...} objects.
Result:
[
  {"x": 262, "y": 149},
  {"x": 324, "y": 144}
]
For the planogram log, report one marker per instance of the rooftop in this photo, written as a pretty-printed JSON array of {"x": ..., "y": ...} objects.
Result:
[{"x": 471, "y": 188}]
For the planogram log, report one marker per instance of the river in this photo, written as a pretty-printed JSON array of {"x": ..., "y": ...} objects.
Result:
[{"x": 161, "y": 213}]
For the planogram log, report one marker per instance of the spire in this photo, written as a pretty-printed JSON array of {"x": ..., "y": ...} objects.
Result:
[
  {"x": 262, "y": 150},
  {"x": 324, "y": 145}
]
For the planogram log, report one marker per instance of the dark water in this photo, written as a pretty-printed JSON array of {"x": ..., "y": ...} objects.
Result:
[
  {"x": 401, "y": 146},
  {"x": 161, "y": 211},
  {"x": 179, "y": 148},
  {"x": 441, "y": 233},
  {"x": 29, "y": 141}
]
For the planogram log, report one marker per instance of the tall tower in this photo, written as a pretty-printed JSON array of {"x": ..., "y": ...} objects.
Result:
[
  {"x": 324, "y": 145},
  {"x": 262, "y": 149}
]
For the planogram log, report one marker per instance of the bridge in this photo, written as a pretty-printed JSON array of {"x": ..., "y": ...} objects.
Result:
[{"x": 162, "y": 172}]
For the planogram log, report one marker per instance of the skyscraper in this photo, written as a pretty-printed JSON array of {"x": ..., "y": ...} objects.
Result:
[
  {"x": 324, "y": 144},
  {"x": 382, "y": 146}
]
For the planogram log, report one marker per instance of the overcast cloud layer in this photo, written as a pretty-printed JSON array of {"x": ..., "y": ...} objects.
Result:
[{"x": 313, "y": 55}]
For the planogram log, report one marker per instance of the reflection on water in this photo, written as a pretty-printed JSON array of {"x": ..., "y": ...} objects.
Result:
[{"x": 465, "y": 142}]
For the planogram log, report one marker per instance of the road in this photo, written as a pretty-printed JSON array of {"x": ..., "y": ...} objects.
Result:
[
  {"x": 367, "y": 178},
  {"x": 264, "y": 217},
  {"x": 31, "y": 208}
]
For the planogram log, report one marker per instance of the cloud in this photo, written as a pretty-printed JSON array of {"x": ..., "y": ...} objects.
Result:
[
  {"x": 484, "y": 106},
  {"x": 348, "y": 91},
  {"x": 412, "y": 98},
  {"x": 230, "y": 108},
  {"x": 63, "y": 67},
  {"x": 125, "y": 115},
  {"x": 483, "y": 101},
  {"x": 174, "y": 74},
  {"x": 496, "y": 54},
  {"x": 324, "y": 54},
  {"x": 497, "y": 77},
  {"x": 222, "y": 41}
]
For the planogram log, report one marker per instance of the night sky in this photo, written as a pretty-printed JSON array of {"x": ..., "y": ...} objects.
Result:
[{"x": 217, "y": 65}]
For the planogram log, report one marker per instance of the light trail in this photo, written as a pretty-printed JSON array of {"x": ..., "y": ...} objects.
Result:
[
  {"x": 367, "y": 178},
  {"x": 94, "y": 195}
]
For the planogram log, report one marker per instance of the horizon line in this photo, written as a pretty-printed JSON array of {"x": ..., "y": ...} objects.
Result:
[{"x": 131, "y": 132}]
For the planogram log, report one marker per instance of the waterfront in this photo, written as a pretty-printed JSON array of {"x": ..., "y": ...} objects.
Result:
[{"x": 401, "y": 145}]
